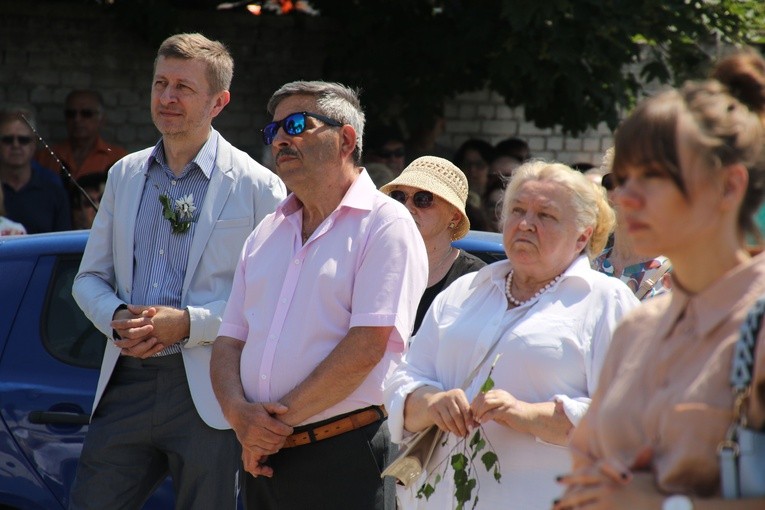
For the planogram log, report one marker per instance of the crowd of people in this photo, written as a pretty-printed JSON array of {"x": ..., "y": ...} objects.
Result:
[
  {"x": 486, "y": 167},
  {"x": 272, "y": 336},
  {"x": 56, "y": 188}
]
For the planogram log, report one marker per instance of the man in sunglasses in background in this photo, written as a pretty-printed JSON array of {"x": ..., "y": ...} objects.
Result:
[
  {"x": 84, "y": 151},
  {"x": 34, "y": 196},
  {"x": 154, "y": 279},
  {"x": 323, "y": 300}
]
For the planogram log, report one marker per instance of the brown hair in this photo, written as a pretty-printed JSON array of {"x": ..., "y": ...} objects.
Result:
[
  {"x": 723, "y": 120},
  {"x": 220, "y": 64}
]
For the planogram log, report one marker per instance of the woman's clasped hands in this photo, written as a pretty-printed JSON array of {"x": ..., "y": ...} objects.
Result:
[{"x": 451, "y": 411}]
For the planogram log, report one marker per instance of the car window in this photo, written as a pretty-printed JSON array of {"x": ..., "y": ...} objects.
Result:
[{"x": 67, "y": 333}]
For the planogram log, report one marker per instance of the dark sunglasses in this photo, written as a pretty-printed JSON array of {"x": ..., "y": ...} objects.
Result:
[
  {"x": 293, "y": 125},
  {"x": 609, "y": 182},
  {"x": 85, "y": 114},
  {"x": 420, "y": 199},
  {"x": 23, "y": 140},
  {"x": 395, "y": 153}
]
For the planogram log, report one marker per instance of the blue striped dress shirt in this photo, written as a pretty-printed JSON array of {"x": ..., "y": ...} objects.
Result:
[{"x": 160, "y": 256}]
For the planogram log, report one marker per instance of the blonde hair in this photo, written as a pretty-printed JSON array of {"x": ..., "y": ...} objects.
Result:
[{"x": 588, "y": 200}]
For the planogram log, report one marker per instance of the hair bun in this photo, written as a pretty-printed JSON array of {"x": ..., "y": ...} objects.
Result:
[{"x": 743, "y": 73}]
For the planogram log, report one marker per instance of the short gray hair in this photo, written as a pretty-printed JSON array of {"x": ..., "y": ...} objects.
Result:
[{"x": 334, "y": 100}]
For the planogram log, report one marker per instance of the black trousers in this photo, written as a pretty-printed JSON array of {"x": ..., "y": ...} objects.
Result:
[
  {"x": 339, "y": 473},
  {"x": 146, "y": 427}
]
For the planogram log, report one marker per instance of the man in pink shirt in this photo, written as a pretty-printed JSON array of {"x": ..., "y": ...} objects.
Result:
[{"x": 323, "y": 300}]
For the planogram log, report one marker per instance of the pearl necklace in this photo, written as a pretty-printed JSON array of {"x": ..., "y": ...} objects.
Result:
[{"x": 517, "y": 302}]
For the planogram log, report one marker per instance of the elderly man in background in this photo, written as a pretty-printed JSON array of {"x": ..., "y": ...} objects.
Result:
[
  {"x": 33, "y": 196},
  {"x": 84, "y": 151},
  {"x": 323, "y": 299}
]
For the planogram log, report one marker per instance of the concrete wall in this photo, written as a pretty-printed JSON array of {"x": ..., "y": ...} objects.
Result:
[{"x": 48, "y": 49}]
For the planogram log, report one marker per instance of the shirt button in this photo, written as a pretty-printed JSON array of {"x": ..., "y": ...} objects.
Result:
[
  {"x": 161, "y": 252},
  {"x": 173, "y": 182},
  {"x": 263, "y": 377},
  {"x": 155, "y": 285},
  {"x": 297, "y": 261}
]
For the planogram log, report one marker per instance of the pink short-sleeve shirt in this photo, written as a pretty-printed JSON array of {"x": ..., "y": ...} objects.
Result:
[{"x": 292, "y": 303}]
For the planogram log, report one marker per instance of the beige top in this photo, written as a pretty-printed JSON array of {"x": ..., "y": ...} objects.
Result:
[{"x": 664, "y": 383}]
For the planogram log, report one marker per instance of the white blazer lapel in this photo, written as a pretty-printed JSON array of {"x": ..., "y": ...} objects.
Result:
[
  {"x": 218, "y": 190},
  {"x": 130, "y": 193}
]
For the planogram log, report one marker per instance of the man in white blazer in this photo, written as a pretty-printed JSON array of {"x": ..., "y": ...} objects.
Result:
[{"x": 154, "y": 278}]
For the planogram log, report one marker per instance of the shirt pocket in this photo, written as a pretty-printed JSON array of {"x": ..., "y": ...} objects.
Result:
[{"x": 234, "y": 222}]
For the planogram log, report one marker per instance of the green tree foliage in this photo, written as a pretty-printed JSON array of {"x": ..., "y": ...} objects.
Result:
[{"x": 570, "y": 63}]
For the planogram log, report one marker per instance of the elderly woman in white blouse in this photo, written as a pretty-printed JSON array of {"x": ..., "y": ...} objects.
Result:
[{"x": 550, "y": 316}]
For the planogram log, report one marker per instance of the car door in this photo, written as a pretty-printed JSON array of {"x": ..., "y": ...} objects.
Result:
[{"x": 49, "y": 369}]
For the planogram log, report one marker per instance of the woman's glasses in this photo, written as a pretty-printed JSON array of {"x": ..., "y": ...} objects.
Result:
[
  {"x": 420, "y": 199},
  {"x": 293, "y": 125},
  {"x": 9, "y": 139}
]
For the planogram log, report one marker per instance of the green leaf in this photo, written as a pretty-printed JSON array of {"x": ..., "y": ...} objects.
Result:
[
  {"x": 489, "y": 459},
  {"x": 426, "y": 490},
  {"x": 487, "y": 385},
  {"x": 476, "y": 438},
  {"x": 459, "y": 462},
  {"x": 464, "y": 492},
  {"x": 497, "y": 474},
  {"x": 477, "y": 448},
  {"x": 460, "y": 477}
]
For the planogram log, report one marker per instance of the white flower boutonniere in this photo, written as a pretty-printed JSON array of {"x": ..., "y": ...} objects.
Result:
[{"x": 179, "y": 214}]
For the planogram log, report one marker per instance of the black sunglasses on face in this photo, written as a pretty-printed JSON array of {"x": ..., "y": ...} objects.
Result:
[
  {"x": 293, "y": 125},
  {"x": 85, "y": 114},
  {"x": 420, "y": 199},
  {"x": 23, "y": 140}
]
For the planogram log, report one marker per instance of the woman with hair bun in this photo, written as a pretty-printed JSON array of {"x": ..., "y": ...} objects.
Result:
[
  {"x": 690, "y": 173},
  {"x": 547, "y": 312}
]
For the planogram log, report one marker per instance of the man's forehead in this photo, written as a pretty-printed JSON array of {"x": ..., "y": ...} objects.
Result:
[
  {"x": 188, "y": 69},
  {"x": 295, "y": 103}
]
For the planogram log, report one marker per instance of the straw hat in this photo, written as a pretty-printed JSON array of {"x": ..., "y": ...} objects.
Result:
[{"x": 441, "y": 177}]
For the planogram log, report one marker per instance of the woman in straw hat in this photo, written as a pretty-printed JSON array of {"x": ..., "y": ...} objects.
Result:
[
  {"x": 435, "y": 190},
  {"x": 547, "y": 312}
]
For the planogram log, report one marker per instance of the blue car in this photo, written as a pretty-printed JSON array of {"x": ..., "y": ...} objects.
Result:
[{"x": 50, "y": 356}]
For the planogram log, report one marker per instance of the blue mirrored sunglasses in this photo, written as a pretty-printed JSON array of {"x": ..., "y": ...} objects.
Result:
[{"x": 293, "y": 125}]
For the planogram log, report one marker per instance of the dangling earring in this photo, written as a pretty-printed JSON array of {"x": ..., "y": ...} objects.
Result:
[{"x": 451, "y": 225}]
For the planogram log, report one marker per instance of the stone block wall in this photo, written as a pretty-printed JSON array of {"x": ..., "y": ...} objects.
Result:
[{"x": 48, "y": 48}]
